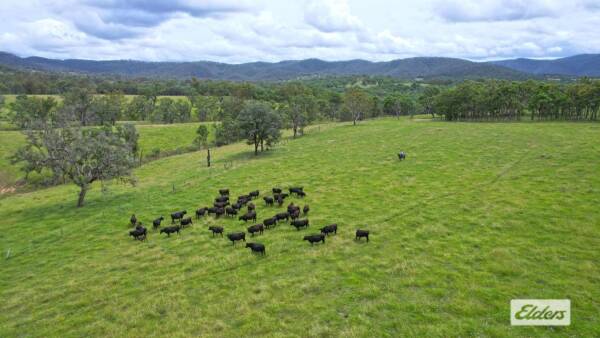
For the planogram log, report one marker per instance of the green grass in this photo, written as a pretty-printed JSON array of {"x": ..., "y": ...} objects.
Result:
[
  {"x": 477, "y": 215},
  {"x": 165, "y": 137}
]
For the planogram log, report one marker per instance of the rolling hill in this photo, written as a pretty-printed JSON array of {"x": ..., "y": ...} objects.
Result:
[
  {"x": 426, "y": 67},
  {"x": 578, "y": 65}
]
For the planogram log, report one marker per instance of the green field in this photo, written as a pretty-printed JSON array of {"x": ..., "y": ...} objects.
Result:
[
  {"x": 165, "y": 137},
  {"x": 477, "y": 215}
]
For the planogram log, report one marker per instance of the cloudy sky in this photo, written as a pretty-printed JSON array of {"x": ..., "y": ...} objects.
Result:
[{"x": 270, "y": 30}]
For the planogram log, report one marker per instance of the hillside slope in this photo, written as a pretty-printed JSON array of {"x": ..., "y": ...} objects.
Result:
[
  {"x": 477, "y": 215},
  {"x": 578, "y": 65},
  {"x": 428, "y": 67}
]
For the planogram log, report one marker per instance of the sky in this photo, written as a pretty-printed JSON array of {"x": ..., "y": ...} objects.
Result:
[{"x": 237, "y": 31}]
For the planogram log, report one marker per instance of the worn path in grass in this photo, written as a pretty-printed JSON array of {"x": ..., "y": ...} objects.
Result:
[{"x": 477, "y": 215}]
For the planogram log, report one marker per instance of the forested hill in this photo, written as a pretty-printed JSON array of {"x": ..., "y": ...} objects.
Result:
[
  {"x": 426, "y": 67},
  {"x": 578, "y": 65}
]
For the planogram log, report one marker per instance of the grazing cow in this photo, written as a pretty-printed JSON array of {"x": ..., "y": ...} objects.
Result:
[
  {"x": 254, "y": 194},
  {"x": 329, "y": 229},
  {"x": 216, "y": 230},
  {"x": 256, "y": 247},
  {"x": 156, "y": 222},
  {"x": 401, "y": 156},
  {"x": 200, "y": 212},
  {"x": 300, "y": 223},
  {"x": 219, "y": 212},
  {"x": 236, "y": 236},
  {"x": 230, "y": 211},
  {"x": 270, "y": 222},
  {"x": 177, "y": 215},
  {"x": 244, "y": 198},
  {"x": 220, "y": 204},
  {"x": 295, "y": 190},
  {"x": 306, "y": 209},
  {"x": 315, "y": 238},
  {"x": 269, "y": 200},
  {"x": 139, "y": 233},
  {"x": 250, "y": 215},
  {"x": 301, "y": 194},
  {"x": 276, "y": 191},
  {"x": 222, "y": 199},
  {"x": 362, "y": 233},
  {"x": 170, "y": 230},
  {"x": 291, "y": 207},
  {"x": 294, "y": 215},
  {"x": 211, "y": 210},
  {"x": 224, "y": 192},
  {"x": 279, "y": 200},
  {"x": 282, "y": 215},
  {"x": 256, "y": 228},
  {"x": 282, "y": 196},
  {"x": 237, "y": 206},
  {"x": 185, "y": 222},
  {"x": 251, "y": 206},
  {"x": 133, "y": 220}
]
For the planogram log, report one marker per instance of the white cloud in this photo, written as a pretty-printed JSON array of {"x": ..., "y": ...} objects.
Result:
[{"x": 331, "y": 16}]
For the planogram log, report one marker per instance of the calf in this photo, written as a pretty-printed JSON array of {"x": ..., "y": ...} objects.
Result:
[
  {"x": 256, "y": 228},
  {"x": 224, "y": 192},
  {"x": 326, "y": 230},
  {"x": 306, "y": 209},
  {"x": 362, "y": 233},
  {"x": 139, "y": 233},
  {"x": 276, "y": 191},
  {"x": 401, "y": 156},
  {"x": 170, "y": 230},
  {"x": 300, "y": 223},
  {"x": 269, "y": 200},
  {"x": 222, "y": 199},
  {"x": 133, "y": 220},
  {"x": 251, "y": 215},
  {"x": 254, "y": 194},
  {"x": 256, "y": 247},
  {"x": 200, "y": 212},
  {"x": 230, "y": 212},
  {"x": 177, "y": 215},
  {"x": 185, "y": 222},
  {"x": 282, "y": 215},
  {"x": 156, "y": 222},
  {"x": 270, "y": 222},
  {"x": 236, "y": 236},
  {"x": 216, "y": 230},
  {"x": 315, "y": 238}
]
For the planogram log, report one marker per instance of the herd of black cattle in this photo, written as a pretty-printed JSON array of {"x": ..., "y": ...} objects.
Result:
[{"x": 223, "y": 207}]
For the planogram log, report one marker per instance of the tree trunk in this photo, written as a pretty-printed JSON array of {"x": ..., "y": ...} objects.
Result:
[
  {"x": 255, "y": 146},
  {"x": 295, "y": 131},
  {"x": 82, "y": 192},
  {"x": 208, "y": 157},
  {"x": 261, "y": 145}
]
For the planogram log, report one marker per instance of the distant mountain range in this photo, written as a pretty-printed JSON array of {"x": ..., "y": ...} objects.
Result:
[{"x": 419, "y": 67}]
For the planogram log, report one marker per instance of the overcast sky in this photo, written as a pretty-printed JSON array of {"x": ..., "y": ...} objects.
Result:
[{"x": 242, "y": 31}]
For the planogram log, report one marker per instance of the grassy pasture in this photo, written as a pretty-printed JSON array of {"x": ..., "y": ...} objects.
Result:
[{"x": 477, "y": 215}]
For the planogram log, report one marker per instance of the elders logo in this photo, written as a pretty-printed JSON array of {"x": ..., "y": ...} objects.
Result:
[{"x": 540, "y": 312}]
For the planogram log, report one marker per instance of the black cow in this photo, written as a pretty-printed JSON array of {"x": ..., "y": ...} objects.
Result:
[
  {"x": 237, "y": 206},
  {"x": 279, "y": 200},
  {"x": 200, "y": 212},
  {"x": 236, "y": 236},
  {"x": 254, "y": 194},
  {"x": 251, "y": 206},
  {"x": 282, "y": 215},
  {"x": 251, "y": 215},
  {"x": 156, "y": 222},
  {"x": 219, "y": 212},
  {"x": 185, "y": 221},
  {"x": 270, "y": 222},
  {"x": 329, "y": 229},
  {"x": 256, "y": 247},
  {"x": 315, "y": 238},
  {"x": 300, "y": 223},
  {"x": 306, "y": 209},
  {"x": 220, "y": 204},
  {"x": 294, "y": 215},
  {"x": 133, "y": 220},
  {"x": 256, "y": 228},
  {"x": 211, "y": 210},
  {"x": 276, "y": 191},
  {"x": 301, "y": 194},
  {"x": 139, "y": 233},
  {"x": 177, "y": 215},
  {"x": 222, "y": 199},
  {"x": 224, "y": 192},
  {"x": 291, "y": 208},
  {"x": 216, "y": 230},
  {"x": 269, "y": 200},
  {"x": 401, "y": 156},
  {"x": 362, "y": 233},
  {"x": 230, "y": 211},
  {"x": 170, "y": 230},
  {"x": 295, "y": 190}
]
